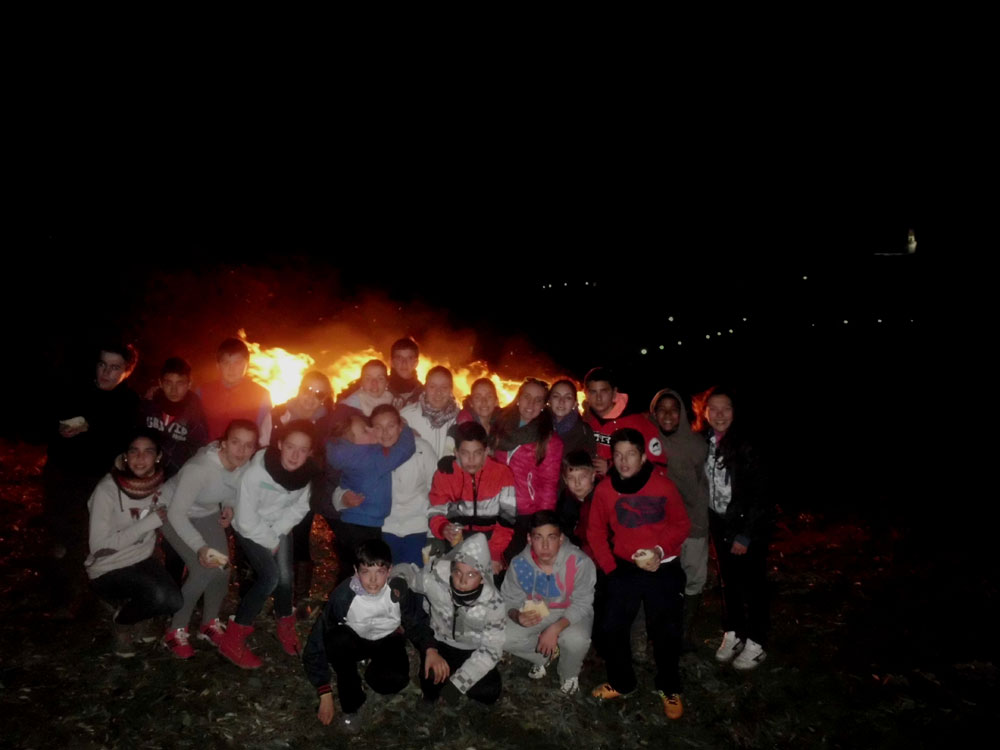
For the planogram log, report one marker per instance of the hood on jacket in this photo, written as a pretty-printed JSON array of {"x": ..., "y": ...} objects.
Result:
[
  {"x": 684, "y": 426},
  {"x": 474, "y": 550}
]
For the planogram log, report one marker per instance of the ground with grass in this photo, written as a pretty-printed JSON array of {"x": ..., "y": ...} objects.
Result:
[{"x": 874, "y": 644}]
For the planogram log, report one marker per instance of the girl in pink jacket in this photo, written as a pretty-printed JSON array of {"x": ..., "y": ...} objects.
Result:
[{"x": 525, "y": 440}]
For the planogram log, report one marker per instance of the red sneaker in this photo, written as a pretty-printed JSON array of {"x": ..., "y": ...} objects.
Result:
[
  {"x": 213, "y": 632},
  {"x": 287, "y": 636},
  {"x": 234, "y": 646},
  {"x": 177, "y": 641}
]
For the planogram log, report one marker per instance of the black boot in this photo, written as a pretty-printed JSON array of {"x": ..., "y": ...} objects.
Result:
[
  {"x": 692, "y": 603},
  {"x": 303, "y": 582}
]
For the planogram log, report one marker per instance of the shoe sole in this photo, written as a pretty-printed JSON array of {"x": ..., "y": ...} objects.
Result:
[{"x": 752, "y": 665}]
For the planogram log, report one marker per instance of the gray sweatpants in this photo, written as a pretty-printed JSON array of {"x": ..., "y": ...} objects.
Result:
[
  {"x": 212, "y": 582},
  {"x": 574, "y": 642}
]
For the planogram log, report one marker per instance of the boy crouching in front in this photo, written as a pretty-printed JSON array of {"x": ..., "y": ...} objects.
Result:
[{"x": 366, "y": 617}]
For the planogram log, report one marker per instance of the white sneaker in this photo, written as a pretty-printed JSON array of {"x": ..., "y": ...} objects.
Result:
[
  {"x": 750, "y": 657},
  {"x": 731, "y": 645},
  {"x": 537, "y": 672},
  {"x": 570, "y": 686}
]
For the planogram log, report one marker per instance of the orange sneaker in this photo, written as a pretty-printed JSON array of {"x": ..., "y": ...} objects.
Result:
[
  {"x": 606, "y": 692},
  {"x": 672, "y": 705}
]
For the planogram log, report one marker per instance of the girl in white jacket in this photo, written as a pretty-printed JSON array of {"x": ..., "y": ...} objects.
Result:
[{"x": 273, "y": 496}]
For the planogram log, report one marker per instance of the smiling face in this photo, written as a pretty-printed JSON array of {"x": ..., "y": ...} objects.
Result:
[
  {"x": 237, "y": 448},
  {"x": 111, "y": 370},
  {"x": 464, "y": 577},
  {"x": 295, "y": 449},
  {"x": 374, "y": 379},
  {"x": 719, "y": 412},
  {"x": 601, "y": 396},
  {"x": 312, "y": 393},
  {"x": 484, "y": 401},
  {"x": 387, "y": 428},
  {"x": 438, "y": 390},
  {"x": 372, "y": 577},
  {"x": 531, "y": 401},
  {"x": 142, "y": 456},
  {"x": 668, "y": 414},
  {"x": 628, "y": 458},
  {"x": 562, "y": 400},
  {"x": 545, "y": 542}
]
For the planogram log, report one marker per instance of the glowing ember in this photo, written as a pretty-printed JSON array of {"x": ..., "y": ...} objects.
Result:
[{"x": 281, "y": 372}]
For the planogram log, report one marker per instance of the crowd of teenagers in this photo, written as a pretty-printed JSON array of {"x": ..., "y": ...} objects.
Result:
[{"x": 467, "y": 529}]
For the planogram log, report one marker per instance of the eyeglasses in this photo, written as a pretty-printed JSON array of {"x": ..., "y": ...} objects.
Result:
[{"x": 317, "y": 392}]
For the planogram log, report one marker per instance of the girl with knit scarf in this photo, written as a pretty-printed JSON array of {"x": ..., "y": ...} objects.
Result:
[{"x": 126, "y": 508}]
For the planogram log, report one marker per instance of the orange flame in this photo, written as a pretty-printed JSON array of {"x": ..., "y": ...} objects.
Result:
[{"x": 281, "y": 372}]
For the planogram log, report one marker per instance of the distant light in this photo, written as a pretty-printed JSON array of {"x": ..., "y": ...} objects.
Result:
[
  {"x": 661, "y": 347},
  {"x": 845, "y": 322},
  {"x": 718, "y": 333},
  {"x": 880, "y": 320},
  {"x": 642, "y": 351},
  {"x": 543, "y": 287},
  {"x": 804, "y": 278},
  {"x": 813, "y": 325},
  {"x": 565, "y": 283},
  {"x": 708, "y": 335},
  {"x": 678, "y": 343},
  {"x": 911, "y": 320},
  {"x": 744, "y": 320},
  {"x": 730, "y": 330},
  {"x": 550, "y": 286},
  {"x": 586, "y": 283},
  {"x": 671, "y": 318}
]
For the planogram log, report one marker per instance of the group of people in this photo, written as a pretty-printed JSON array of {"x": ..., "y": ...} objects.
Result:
[{"x": 468, "y": 529}]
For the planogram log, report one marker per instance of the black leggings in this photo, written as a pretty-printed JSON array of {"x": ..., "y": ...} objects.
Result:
[{"x": 143, "y": 590}]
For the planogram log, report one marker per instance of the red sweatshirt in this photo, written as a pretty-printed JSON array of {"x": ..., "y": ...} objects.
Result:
[
  {"x": 604, "y": 429},
  {"x": 641, "y": 512}
]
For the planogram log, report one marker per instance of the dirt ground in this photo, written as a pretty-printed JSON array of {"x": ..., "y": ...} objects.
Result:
[{"x": 873, "y": 645}]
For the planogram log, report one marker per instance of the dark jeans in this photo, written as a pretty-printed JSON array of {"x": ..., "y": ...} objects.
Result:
[
  {"x": 388, "y": 672},
  {"x": 662, "y": 595},
  {"x": 274, "y": 575},
  {"x": 300, "y": 536},
  {"x": 522, "y": 525},
  {"x": 487, "y": 690},
  {"x": 347, "y": 537},
  {"x": 744, "y": 586},
  {"x": 143, "y": 590}
]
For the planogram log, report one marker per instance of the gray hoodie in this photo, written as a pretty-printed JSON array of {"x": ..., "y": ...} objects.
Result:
[
  {"x": 478, "y": 627},
  {"x": 686, "y": 453}
]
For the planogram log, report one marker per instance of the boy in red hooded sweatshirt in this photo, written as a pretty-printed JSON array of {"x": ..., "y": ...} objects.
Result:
[{"x": 636, "y": 527}]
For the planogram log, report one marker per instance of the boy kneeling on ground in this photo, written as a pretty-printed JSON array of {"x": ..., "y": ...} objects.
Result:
[
  {"x": 549, "y": 593},
  {"x": 366, "y": 618}
]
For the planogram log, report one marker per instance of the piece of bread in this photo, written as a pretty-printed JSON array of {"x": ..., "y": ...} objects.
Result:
[
  {"x": 643, "y": 555},
  {"x": 536, "y": 605},
  {"x": 215, "y": 556}
]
